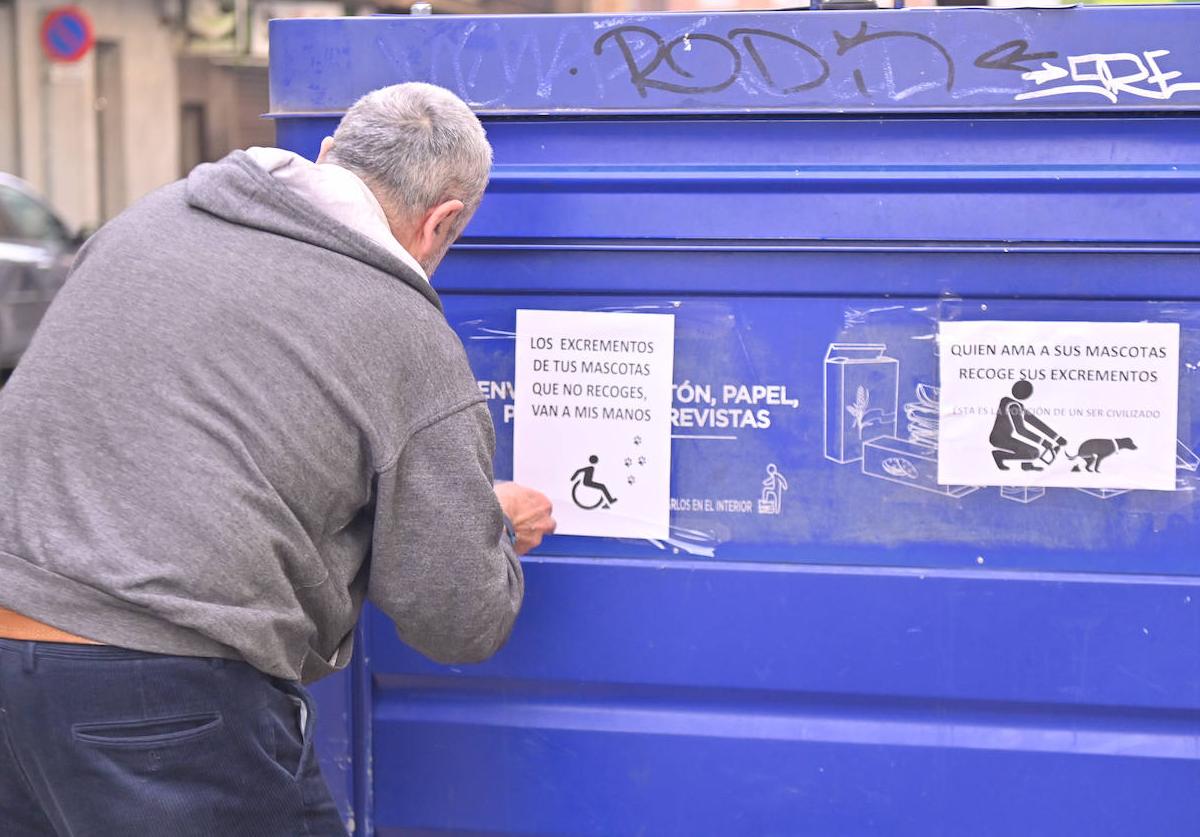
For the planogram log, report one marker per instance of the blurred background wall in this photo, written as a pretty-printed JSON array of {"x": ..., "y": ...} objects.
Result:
[{"x": 92, "y": 134}]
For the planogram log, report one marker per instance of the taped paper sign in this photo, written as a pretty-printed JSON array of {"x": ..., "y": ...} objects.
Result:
[
  {"x": 592, "y": 419},
  {"x": 1062, "y": 404}
]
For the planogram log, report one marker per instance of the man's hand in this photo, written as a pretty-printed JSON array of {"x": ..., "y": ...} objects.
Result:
[{"x": 530, "y": 512}]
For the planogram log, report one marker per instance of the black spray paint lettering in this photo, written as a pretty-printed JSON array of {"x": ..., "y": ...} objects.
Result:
[
  {"x": 702, "y": 63},
  {"x": 862, "y": 36},
  {"x": 1011, "y": 55},
  {"x": 750, "y": 43},
  {"x": 775, "y": 56},
  {"x": 640, "y": 75}
]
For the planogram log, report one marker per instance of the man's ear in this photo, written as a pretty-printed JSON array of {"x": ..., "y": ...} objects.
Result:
[
  {"x": 438, "y": 224},
  {"x": 326, "y": 147}
]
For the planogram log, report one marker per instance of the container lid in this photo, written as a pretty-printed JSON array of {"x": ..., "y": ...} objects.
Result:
[{"x": 1095, "y": 59}]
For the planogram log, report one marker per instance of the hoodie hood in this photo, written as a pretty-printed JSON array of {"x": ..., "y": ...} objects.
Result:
[
  {"x": 336, "y": 191},
  {"x": 238, "y": 190}
]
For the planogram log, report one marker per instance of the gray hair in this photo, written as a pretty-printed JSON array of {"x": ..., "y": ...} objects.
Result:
[{"x": 416, "y": 145}]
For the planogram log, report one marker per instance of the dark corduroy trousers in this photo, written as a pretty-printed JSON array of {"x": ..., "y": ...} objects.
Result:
[{"x": 98, "y": 741}]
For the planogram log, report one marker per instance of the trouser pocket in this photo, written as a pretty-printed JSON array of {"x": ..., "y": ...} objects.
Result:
[
  {"x": 150, "y": 732},
  {"x": 292, "y": 722},
  {"x": 126, "y": 743}
]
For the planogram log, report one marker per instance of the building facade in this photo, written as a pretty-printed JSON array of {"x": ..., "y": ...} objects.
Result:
[{"x": 94, "y": 134}]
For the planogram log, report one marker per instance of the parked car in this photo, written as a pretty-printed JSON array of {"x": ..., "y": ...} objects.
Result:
[{"x": 36, "y": 251}]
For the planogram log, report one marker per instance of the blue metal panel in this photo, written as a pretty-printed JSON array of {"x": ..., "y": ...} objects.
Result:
[
  {"x": 911, "y": 60},
  {"x": 878, "y": 657},
  {"x": 935, "y": 180},
  {"x": 698, "y": 698}
]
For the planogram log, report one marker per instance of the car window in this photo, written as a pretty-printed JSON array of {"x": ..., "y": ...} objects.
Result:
[{"x": 23, "y": 218}]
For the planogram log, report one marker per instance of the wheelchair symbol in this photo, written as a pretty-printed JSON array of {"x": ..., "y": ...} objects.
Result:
[{"x": 585, "y": 477}]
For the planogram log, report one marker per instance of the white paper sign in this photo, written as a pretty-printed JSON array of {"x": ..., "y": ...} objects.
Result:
[
  {"x": 592, "y": 419},
  {"x": 1078, "y": 405}
]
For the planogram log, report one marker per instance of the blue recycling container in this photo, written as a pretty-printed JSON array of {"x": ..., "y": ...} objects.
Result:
[{"x": 831, "y": 641}]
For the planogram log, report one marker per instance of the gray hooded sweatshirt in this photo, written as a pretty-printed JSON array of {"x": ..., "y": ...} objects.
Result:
[{"x": 238, "y": 420}]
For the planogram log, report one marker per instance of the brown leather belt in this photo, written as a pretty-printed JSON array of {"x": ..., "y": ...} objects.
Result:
[{"x": 15, "y": 626}]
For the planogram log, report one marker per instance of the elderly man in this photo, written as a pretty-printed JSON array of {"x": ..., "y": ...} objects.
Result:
[{"x": 244, "y": 415}]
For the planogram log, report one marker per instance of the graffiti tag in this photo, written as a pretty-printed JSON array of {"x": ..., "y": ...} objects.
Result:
[
  {"x": 699, "y": 63},
  {"x": 1109, "y": 75}
]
